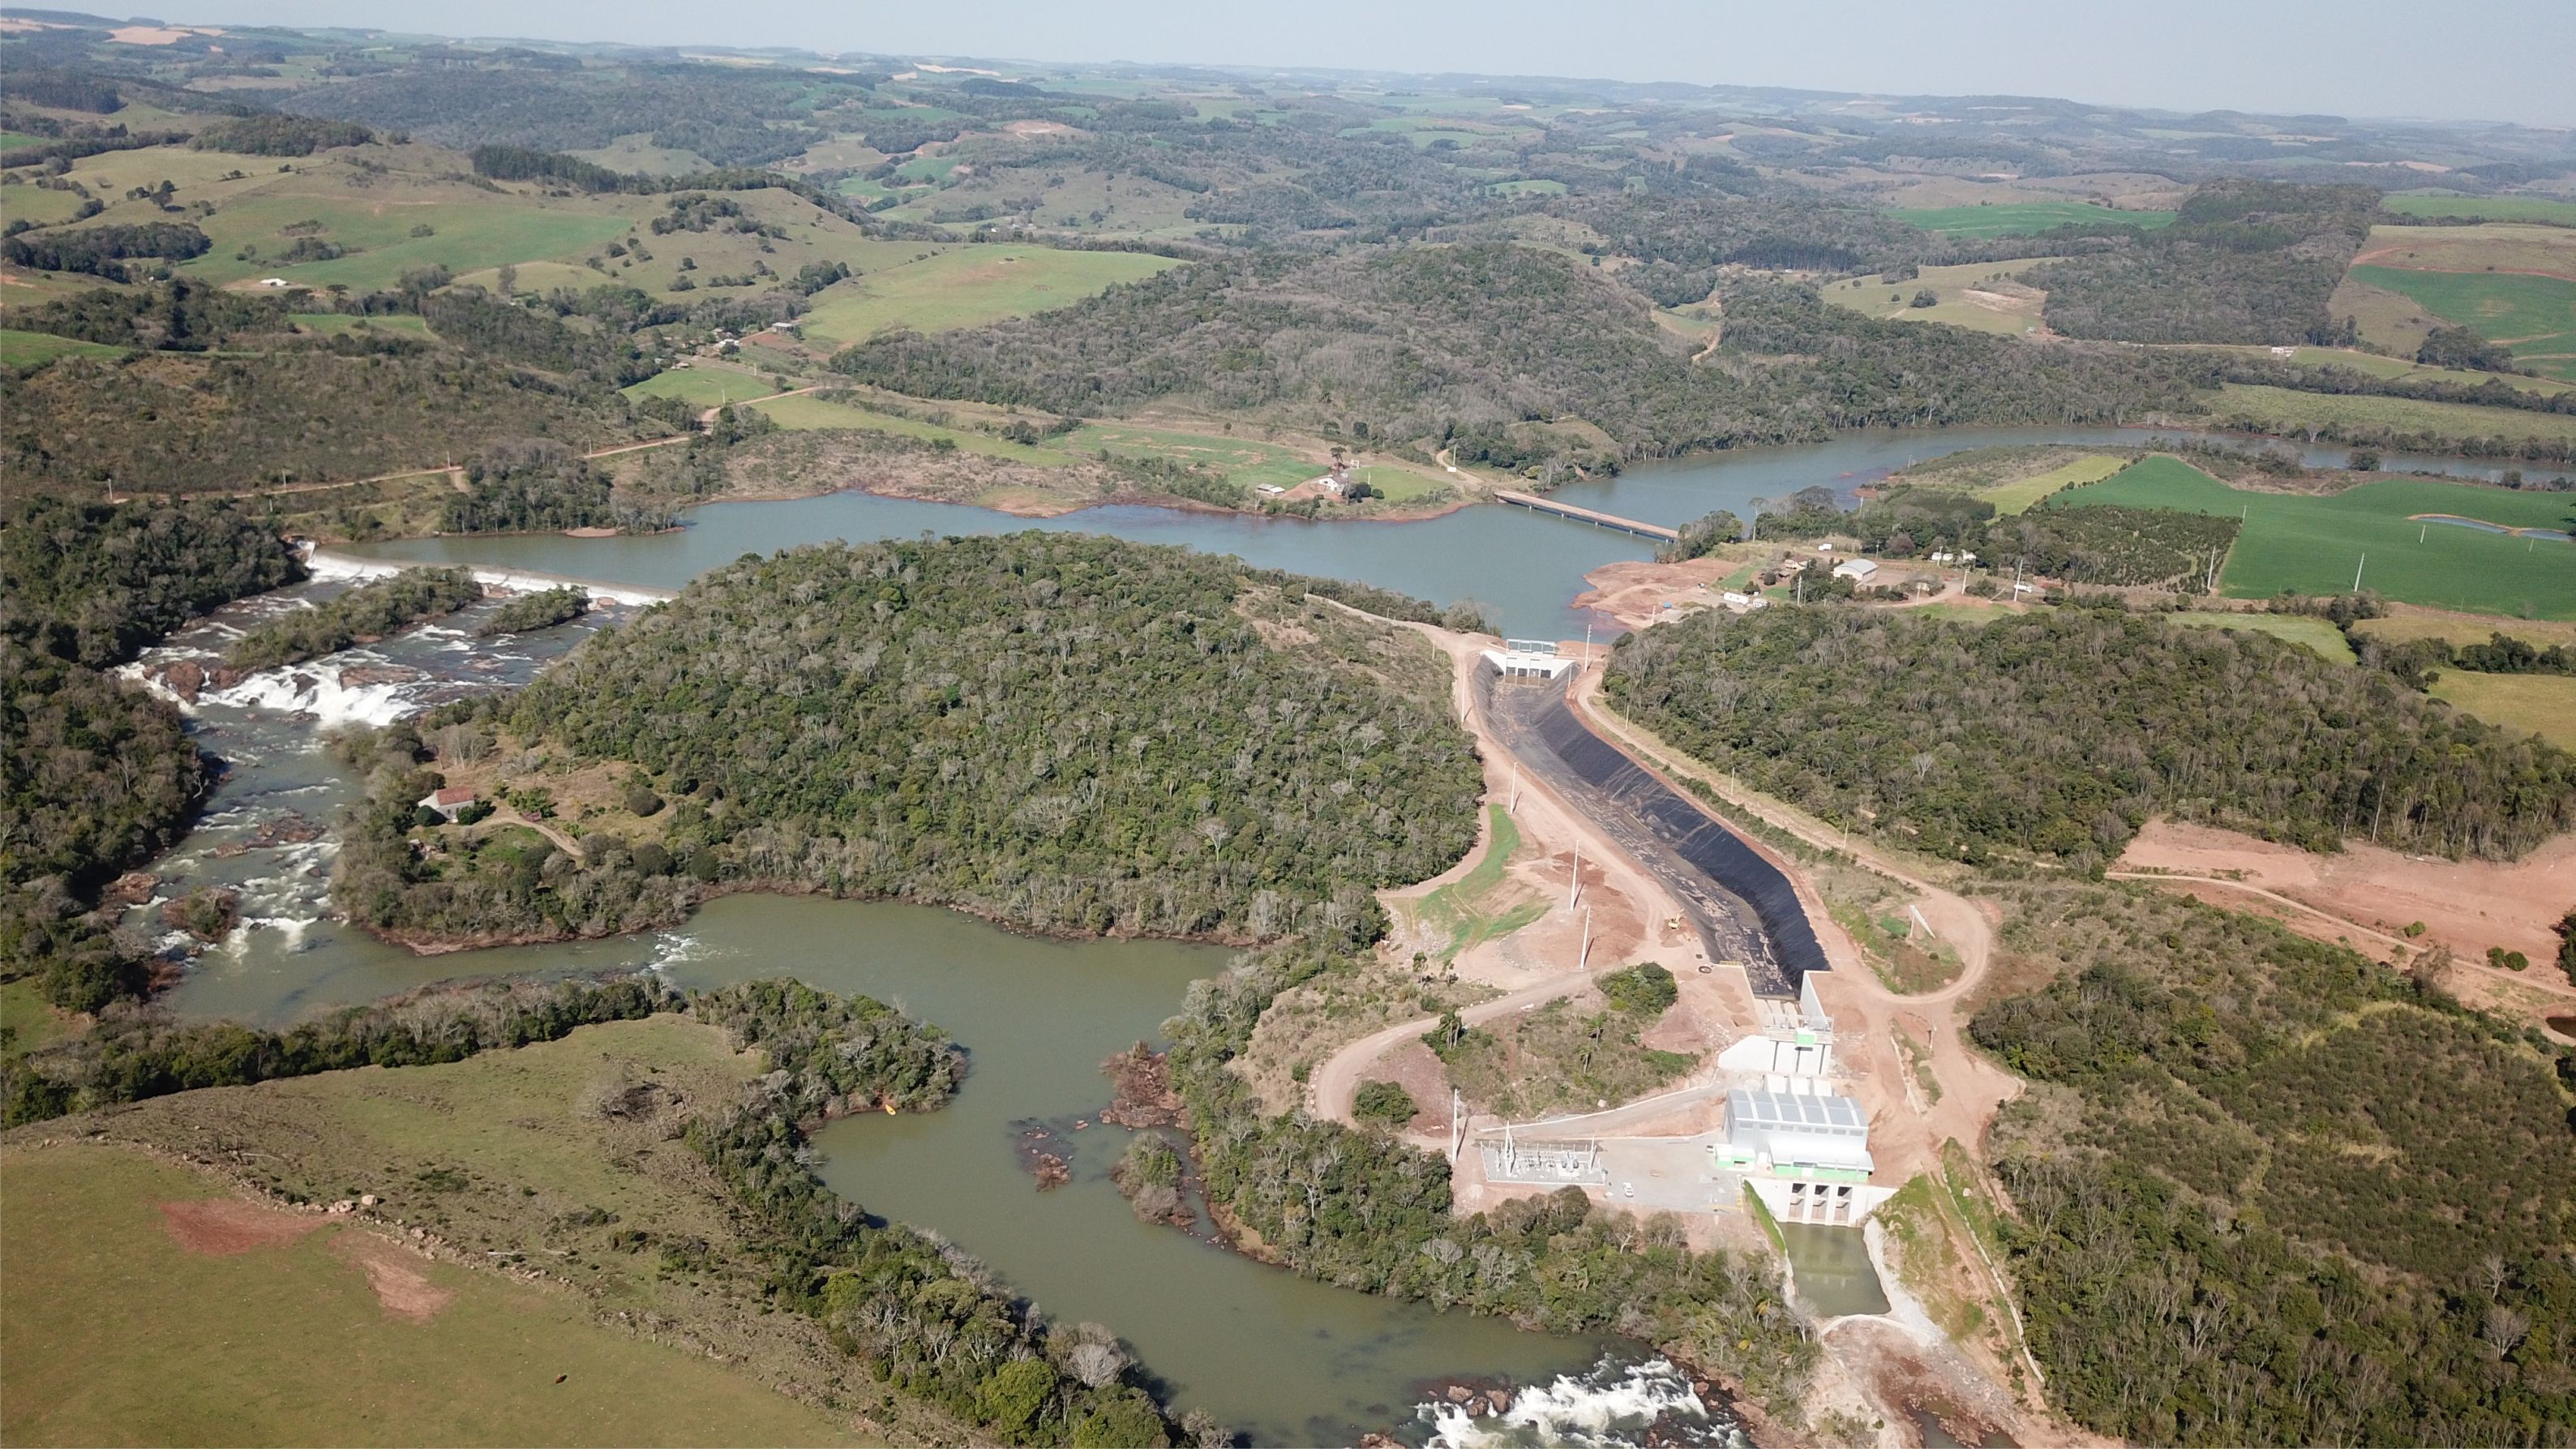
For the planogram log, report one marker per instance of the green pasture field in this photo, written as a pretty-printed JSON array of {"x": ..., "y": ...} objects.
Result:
[
  {"x": 2306, "y": 630},
  {"x": 2021, "y": 218},
  {"x": 12, "y": 140},
  {"x": 2542, "y": 704},
  {"x": 968, "y": 287},
  {"x": 537, "y": 278},
  {"x": 2493, "y": 208},
  {"x": 26, "y": 349},
  {"x": 2540, "y": 633},
  {"x": 1530, "y": 186},
  {"x": 117, "y": 1334},
  {"x": 2007, "y": 312},
  {"x": 2304, "y": 544},
  {"x": 1242, "y": 460},
  {"x": 706, "y": 387},
  {"x": 38, "y": 204},
  {"x": 2535, "y": 316},
  {"x": 2019, "y": 495},
  {"x": 465, "y": 236},
  {"x": 638, "y": 153},
  {"x": 26, "y": 1020},
  {"x": 2282, "y": 410},
  {"x": 809, "y": 411}
]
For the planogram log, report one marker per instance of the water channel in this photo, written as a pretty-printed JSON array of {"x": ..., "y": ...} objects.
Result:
[{"x": 1289, "y": 1360}]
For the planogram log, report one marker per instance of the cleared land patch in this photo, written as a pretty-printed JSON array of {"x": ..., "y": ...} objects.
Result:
[
  {"x": 26, "y": 349},
  {"x": 2541, "y": 633},
  {"x": 2304, "y": 544},
  {"x": 2535, "y": 316},
  {"x": 808, "y": 410},
  {"x": 2021, "y": 218},
  {"x": 969, "y": 287},
  {"x": 2493, "y": 208},
  {"x": 380, "y": 240},
  {"x": 147, "y": 1307},
  {"x": 2281, "y": 410},
  {"x": 1982, "y": 296},
  {"x": 2019, "y": 495},
  {"x": 2543, "y": 704},
  {"x": 707, "y": 387},
  {"x": 2307, "y": 631}
]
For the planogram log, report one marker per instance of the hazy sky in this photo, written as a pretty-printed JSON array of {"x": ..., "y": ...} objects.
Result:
[{"x": 2484, "y": 59}]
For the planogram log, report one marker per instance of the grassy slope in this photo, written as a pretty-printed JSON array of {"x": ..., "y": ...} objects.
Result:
[
  {"x": 1869, "y": 295},
  {"x": 967, "y": 287},
  {"x": 2015, "y": 497},
  {"x": 2494, "y": 208},
  {"x": 808, "y": 411},
  {"x": 2535, "y": 315},
  {"x": 2544, "y": 704},
  {"x": 705, "y": 386},
  {"x": 115, "y": 1333},
  {"x": 2283, "y": 410},
  {"x": 2314, "y": 634},
  {"x": 2020, "y": 218},
  {"x": 2309, "y": 545},
  {"x": 26, "y": 349}
]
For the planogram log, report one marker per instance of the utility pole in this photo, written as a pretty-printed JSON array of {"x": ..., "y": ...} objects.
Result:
[
  {"x": 1583, "y": 962},
  {"x": 2356, "y": 572},
  {"x": 1513, "y": 809},
  {"x": 1574, "y": 886}
]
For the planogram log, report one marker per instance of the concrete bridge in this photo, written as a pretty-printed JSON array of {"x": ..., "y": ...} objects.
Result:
[{"x": 1597, "y": 519}]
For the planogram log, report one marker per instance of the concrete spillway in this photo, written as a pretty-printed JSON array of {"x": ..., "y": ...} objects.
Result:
[{"x": 1744, "y": 908}]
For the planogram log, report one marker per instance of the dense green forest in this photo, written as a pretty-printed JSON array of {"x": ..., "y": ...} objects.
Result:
[
  {"x": 542, "y": 609},
  {"x": 180, "y": 315},
  {"x": 223, "y": 424},
  {"x": 95, "y": 583},
  {"x": 533, "y": 486},
  {"x": 96, "y": 775},
  {"x": 2270, "y": 1192},
  {"x": 1426, "y": 343},
  {"x": 366, "y": 613},
  {"x": 2244, "y": 261},
  {"x": 1068, "y": 732},
  {"x": 2052, "y": 737}
]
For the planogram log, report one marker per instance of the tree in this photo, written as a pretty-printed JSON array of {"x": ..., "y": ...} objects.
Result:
[
  {"x": 1925, "y": 298},
  {"x": 1386, "y": 1102}
]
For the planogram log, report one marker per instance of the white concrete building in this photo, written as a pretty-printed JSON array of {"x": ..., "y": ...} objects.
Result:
[
  {"x": 1529, "y": 659},
  {"x": 1858, "y": 570}
]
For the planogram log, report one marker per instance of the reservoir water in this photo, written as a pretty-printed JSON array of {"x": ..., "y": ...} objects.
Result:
[{"x": 1527, "y": 567}]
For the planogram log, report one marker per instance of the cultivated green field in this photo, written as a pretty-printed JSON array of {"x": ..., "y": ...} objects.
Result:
[
  {"x": 2310, "y": 545},
  {"x": 2535, "y": 316},
  {"x": 464, "y": 235},
  {"x": 26, "y": 349},
  {"x": 2021, "y": 218},
  {"x": 2376, "y": 365},
  {"x": 115, "y": 1333},
  {"x": 2280, "y": 410},
  {"x": 2544, "y": 704},
  {"x": 2301, "y": 629},
  {"x": 2493, "y": 208},
  {"x": 968, "y": 287},
  {"x": 2018, "y": 496},
  {"x": 708, "y": 387}
]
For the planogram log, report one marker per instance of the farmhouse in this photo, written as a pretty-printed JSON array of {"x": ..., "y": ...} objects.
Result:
[{"x": 447, "y": 800}]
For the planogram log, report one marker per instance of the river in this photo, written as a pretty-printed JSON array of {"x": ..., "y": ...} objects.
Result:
[
  {"x": 1285, "y": 1359},
  {"x": 1289, "y": 1360}
]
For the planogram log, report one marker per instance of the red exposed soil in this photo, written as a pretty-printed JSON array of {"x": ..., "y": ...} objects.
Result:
[
  {"x": 395, "y": 1275},
  {"x": 2467, "y": 905},
  {"x": 219, "y": 1227}
]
